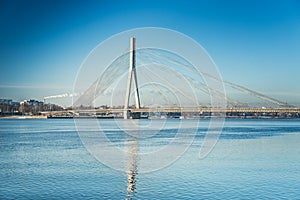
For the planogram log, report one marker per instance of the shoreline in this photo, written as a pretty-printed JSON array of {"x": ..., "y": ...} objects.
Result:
[
  {"x": 24, "y": 117},
  {"x": 150, "y": 118}
]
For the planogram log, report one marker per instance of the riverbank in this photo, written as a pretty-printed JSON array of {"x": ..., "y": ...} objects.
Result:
[{"x": 24, "y": 117}]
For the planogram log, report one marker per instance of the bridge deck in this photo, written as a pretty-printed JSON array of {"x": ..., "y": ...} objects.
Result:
[{"x": 200, "y": 110}]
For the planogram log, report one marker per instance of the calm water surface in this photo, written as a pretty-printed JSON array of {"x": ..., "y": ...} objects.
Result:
[{"x": 253, "y": 159}]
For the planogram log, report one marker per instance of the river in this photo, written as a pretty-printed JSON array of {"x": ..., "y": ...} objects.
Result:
[{"x": 253, "y": 159}]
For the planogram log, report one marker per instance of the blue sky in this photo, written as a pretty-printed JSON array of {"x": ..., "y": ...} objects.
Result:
[{"x": 43, "y": 43}]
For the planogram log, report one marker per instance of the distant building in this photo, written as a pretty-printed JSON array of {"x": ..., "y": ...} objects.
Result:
[
  {"x": 32, "y": 102},
  {"x": 31, "y": 107},
  {"x": 8, "y": 107},
  {"x": 26, "y": 107},
  {"x": 5, "y": 101}
]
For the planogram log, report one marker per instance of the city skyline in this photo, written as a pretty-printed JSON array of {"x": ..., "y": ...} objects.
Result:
[{"x": 254, "y": 44}]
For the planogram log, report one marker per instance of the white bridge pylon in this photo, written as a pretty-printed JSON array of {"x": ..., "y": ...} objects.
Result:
[{"x": 132, "y": 75}]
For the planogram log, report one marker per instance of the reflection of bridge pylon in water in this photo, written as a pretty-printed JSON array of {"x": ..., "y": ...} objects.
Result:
[
  {"x": 132, "y": 167},
  {"x": 132, "y": 74}
]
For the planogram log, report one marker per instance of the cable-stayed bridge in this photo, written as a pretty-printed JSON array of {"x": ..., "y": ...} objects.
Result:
[{"x": 166, "y": 83}]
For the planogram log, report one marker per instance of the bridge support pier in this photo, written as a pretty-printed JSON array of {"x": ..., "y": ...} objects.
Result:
[{"x": 127, "y": 114}]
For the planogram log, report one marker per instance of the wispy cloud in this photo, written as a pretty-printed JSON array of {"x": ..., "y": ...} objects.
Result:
[
  {"x": 63, "y": 95},
  {"x": 33, "y": 87}
]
